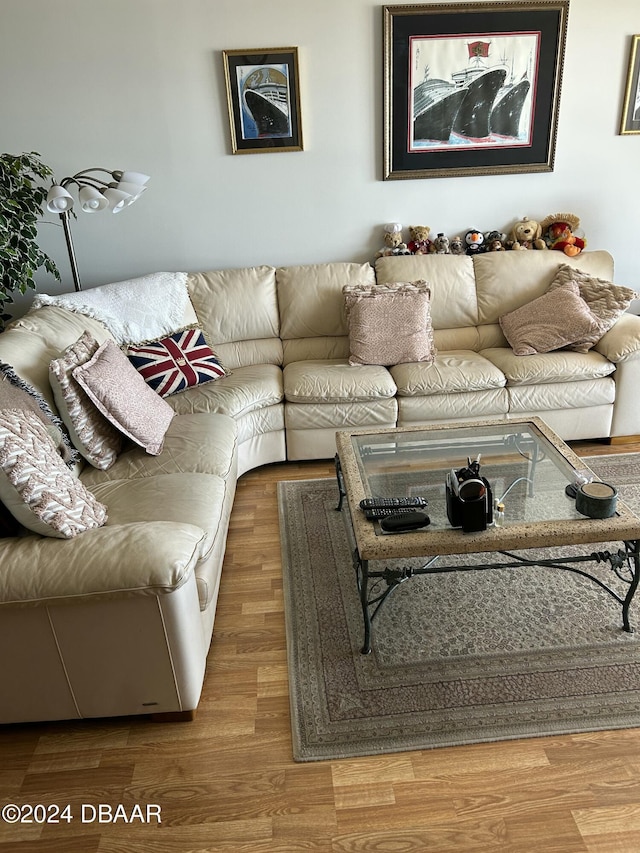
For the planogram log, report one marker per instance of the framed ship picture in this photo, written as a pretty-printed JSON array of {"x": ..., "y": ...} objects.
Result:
[
  {"x": 263, "y": 94},
  {"x": 631, "y": 107},
  {"x": 472, "y": 88}
]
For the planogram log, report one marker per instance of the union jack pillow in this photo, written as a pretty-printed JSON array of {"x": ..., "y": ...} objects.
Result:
[{"x": 176, "y": 362}]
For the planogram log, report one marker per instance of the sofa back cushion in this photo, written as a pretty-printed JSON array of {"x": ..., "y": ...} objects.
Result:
[
  {"x": 238, "y": 312},
  {"x": 313, "y": 322}
]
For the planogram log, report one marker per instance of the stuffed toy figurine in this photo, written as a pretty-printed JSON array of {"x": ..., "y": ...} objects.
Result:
[
  {"x": 440, "y": 245},
  {"x": 457, "y": 246},
  {"x": 393, "y": 243},
  {"x": 419, "y": 244},
  {"x": 526, "y": 234},
  {"x": 495, "y": 241},
  {"x": 558, "y": 232},
  {"x": 473, "y": 241}
]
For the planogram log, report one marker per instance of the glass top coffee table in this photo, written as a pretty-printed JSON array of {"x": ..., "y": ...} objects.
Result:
[{"x": 527, "y": 467}]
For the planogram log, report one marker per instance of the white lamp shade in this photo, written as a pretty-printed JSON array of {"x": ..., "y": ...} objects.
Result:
[
  {"x": 131, "y": 177},
  {"x": 134, "y": 190},
  {"x": 59, "y": 199},
  {"x": 92, "y": 200},
  {"x": 117, "y": 199}
]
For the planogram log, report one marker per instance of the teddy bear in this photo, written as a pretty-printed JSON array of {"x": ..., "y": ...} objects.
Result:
[
  {"x": 474, "y": 240},
  {"x": 495, "y": 241},
  {"x": 457, "y": 246},
  {"x": 393, "y": 242},
  {"x": 558, "y": 233},
  {"x": 440, "y": 245},
  {"x": 419, "y": 244},
  {"x": 526, "y": 234}
]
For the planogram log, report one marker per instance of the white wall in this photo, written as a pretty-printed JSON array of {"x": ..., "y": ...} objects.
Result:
[{"x": 139, "y": 84}]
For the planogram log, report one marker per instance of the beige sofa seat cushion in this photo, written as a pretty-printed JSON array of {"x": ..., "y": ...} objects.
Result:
[
  {"x": 450, "y": 279},
  {"x": 336, "y": 381},
  {"x": 311, "y": 301},
  {"x": 507, "y": 280},
  {"x": 246, "y": 389},
  {"x": 141, "y": 558},
  {"x": 622, "y": 341},
  {"x": 586, "y": 394},
  {"x": 548, "y": 367},
  {"x": 197, "y": 443},
  {"x": 311, "y": 416},
  {"x": 469, "y": 405},
  {"x": 185, "y": 499},
  {"x": 452, "y": 372}
]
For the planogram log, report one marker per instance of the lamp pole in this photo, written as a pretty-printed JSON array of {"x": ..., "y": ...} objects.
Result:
[{"x": 64, "y": 216}]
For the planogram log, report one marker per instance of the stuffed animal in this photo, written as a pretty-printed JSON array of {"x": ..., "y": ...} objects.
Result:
[
  {"x": 474, "y": 240},
  {"x": 440, "y": 245},
  {"x": 558, "y": 232},
  {"x": 526, "y": 234},
  {"x": 495, "y": 246},
  {"x": 393, "y": 242},
  {"x": 457, "y": 246},
  {"x": 495, "y": 241},
  {"x": 419, "y": 244}
]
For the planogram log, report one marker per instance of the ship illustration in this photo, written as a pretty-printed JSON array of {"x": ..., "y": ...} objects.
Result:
[
  {"x": 266, "y": 98},
  {"x": 507, "y": 109},
  {"x": 435, "y": 106}
]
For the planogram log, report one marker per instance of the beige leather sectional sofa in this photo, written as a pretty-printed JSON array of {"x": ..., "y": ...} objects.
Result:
[{"x": 118, "y": 620}]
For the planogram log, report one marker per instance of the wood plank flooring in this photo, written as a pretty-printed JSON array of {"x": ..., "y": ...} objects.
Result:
[{"x": 226, "y": 782}]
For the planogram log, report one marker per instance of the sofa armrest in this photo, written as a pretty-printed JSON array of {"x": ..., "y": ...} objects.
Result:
[{"x": 622, "y": 341}]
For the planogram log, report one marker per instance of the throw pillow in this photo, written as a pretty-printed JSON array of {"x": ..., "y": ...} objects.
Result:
[
  {"x": 607, "y": 300},
  {"x": 124, "y": 398},
  {"x": 389, "y": 324},
  {"x": 35, "y": 484},
  {"x": 16, "y": 393},
  {"x": 179, "y": 361},
  {"x": 554, "y": 320},
  {"x": 92, "y": 434}
]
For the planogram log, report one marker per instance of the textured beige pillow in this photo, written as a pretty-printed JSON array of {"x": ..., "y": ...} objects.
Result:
[
  {"x": 90, "y": 432},
  {"x": 607, "y": 300},
  {"x": 389, "y": 324},
  {"x": 35, "y": 484},
  {"x": 554, "y": 320},
  {"x": 124, "y": 398}
]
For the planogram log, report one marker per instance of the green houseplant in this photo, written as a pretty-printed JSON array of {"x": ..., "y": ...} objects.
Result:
[{"x": 21, "y": 198}]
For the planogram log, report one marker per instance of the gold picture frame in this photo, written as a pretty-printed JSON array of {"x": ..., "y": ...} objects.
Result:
[
  {"x": 443, "y": 60},
  {"x": 630, "y": 122},
  {"x": 263, "y": 96}
]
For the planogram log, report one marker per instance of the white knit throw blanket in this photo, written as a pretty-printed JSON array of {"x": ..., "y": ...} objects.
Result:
[{"x": 142, "y": 309}]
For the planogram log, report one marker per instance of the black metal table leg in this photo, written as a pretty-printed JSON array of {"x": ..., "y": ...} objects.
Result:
[{"x": 635, "y": 554}]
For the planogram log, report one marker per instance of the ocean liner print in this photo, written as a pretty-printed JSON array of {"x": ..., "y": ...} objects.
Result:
[
  {"x": 265, "y": 98},
  {"x": 488, "y": 101}
]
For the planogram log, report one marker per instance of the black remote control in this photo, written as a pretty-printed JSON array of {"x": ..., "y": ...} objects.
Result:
[
  {"x": 405, "y": 522},
  {"x": 376, "y": 512},
  {"x": 393, "y": 503}
]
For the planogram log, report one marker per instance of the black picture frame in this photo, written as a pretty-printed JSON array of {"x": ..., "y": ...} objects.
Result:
[
  {"x": 630, "y": 122},
  {"x": 451, "y": 65},
  {"x": 263, "y": 97}
]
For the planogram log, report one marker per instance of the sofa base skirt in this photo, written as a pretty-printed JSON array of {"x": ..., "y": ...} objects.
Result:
[
  {"x": 576, "y": 424},
  {"x": 110, "y": 657}
]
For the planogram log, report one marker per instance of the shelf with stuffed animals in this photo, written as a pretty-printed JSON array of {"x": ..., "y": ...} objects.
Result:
[{"x": 559, "y": 231}]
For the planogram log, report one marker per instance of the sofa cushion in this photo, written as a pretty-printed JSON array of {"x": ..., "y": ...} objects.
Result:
[
  {"x": 452, "y": 372},
  {"x": 336, "y": 381},
  {"x": 586, "y": 394},
  {"x": 389, "y": 324},
  {"x": 466, "y": 405},
  {"x": 195, "y": 443},
  {"x": 179, "y": 361},
  {"x": 554, "y": 320},
  {"x": 123, "y": 397},
  {"x": 450, "y": 279},
  {"x": 544, "y": 368},
  {"x": 140, "y": 309},
  {"x": 246, "y": 389},
  {"x": 90, "y": 431},
  {"x": 606, "y": 300},
  {"x": 346, "y": 415},
  {"x": 35, "y": 484}
]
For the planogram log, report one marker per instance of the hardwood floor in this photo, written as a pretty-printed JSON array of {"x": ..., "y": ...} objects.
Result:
[{"x": 226, "y": 781}]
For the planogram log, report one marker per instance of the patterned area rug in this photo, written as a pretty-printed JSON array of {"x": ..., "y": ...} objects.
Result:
[{"x": 457, "y": 658}]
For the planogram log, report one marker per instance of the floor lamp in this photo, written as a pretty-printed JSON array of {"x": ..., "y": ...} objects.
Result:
[{"x": 94, "y": 194}]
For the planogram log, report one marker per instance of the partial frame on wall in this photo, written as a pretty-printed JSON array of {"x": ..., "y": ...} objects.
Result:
[
  {"x": 263, "y": 95},
  {"x": 630, "y": 122},
  {"x": 472, "y": 88}
]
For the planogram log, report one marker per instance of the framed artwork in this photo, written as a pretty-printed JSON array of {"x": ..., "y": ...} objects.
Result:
[
  {"x": 631, "y": 108},
  {"x": 472, "y": 88},
  {"x": 263, "y": 94}
]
